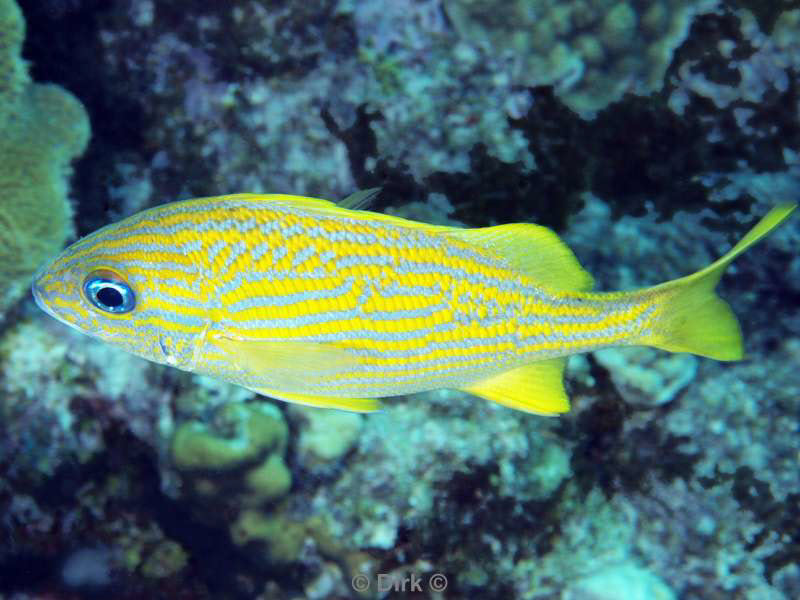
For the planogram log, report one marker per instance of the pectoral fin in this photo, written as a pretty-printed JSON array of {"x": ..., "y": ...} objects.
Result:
[
  {"x": 289, "y": 366},
  {"x": 535, "y": 388},
  {"x": 286, "y": 359}
]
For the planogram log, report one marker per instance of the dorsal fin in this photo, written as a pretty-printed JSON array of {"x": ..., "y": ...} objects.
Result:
[{"x": 533, "y": 250}]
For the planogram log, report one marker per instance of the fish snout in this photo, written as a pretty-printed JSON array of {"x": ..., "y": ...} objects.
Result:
[
  {"x": 46, "y": 293},
  {"x": 41, "y": 296},
  {"x": 36, "y": 290},
  {"x": 37, "y": 286},
  {"x": 43, "y": 288}
]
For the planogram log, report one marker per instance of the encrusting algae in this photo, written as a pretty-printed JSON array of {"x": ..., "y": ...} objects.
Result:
[{"x": 311, "y": 302}]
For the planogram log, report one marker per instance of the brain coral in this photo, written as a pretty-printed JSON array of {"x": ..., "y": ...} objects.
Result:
[
  {"x": 42, "y": 128},
  {"x": 592, "y": 51}
]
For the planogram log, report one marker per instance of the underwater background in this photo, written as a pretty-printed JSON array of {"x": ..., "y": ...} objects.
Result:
[{"x": 649, "y": 135}]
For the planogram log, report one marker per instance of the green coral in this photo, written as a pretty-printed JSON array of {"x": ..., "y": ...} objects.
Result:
[
  {"x": 42, "y": 128},
  {"x": 13, "y": 74},
  {"x": 268, "y": 481},
  {"x": 166, "y": 559},
  {"x": 592, "y": 51},
  {"x": 239, "y": 454},
  {"x": 283, "y": 539}
]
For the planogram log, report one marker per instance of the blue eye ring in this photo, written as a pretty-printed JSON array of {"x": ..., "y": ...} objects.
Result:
[{"x": 108, "y": 292}]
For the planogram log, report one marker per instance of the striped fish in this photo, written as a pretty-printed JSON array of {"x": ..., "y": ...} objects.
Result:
[{"x": 308, "y": 301}]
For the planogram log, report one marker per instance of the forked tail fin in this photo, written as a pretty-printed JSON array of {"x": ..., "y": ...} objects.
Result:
[{"x": 692, "y": 317}]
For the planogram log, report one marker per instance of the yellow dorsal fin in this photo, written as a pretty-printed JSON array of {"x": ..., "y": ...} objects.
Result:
[
  {"x": 287, "y": 365},
  {"x": 351, "y": 404},
  {"x": 535, "y": 388},
  {"x": 533, "y": 250}
]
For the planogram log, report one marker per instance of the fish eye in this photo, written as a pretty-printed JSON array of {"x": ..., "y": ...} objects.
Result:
[{"x": 109, "y": 292}]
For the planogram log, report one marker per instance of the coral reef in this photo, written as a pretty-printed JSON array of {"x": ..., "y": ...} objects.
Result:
[
  {"x": 235, "y": 456},
  {"x": 672, "y": 476},
  {"x": 42, "y": 128},
  {"x": 591, "y": 52},
  {"x": 625, "y": 580},
  {"x": 324, "y": 435}
]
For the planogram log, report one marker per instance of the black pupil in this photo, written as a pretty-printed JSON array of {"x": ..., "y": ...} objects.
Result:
[{"x": 110, "y": 297}]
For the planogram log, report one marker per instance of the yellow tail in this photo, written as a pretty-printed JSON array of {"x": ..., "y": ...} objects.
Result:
[{"x": 692, "y": 317}]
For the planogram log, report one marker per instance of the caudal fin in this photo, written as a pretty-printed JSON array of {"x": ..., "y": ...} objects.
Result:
[{"x": 693, "y": 318}]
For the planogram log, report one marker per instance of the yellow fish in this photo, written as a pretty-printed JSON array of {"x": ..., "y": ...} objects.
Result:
[{"x": 308, "y": 301}]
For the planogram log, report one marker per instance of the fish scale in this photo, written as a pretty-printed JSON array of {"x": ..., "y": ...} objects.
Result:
[{"x": 306, "y": 301}]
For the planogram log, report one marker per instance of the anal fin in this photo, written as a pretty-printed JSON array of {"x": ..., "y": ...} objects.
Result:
[
  {"x": 352, "y": 404},
  {"x": 535, "y": 388}
]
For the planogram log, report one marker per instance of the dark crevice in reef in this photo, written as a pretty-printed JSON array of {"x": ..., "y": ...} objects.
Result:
[
  {"x": 657, "y": 160},
  {"x": 115, "y": 78},
  {"x": 634, "y": 152},
  {"x": 616, "y": 457},
  {"x": 18, "y": 570},
  {"x": 216, "y": 567},
  {"x": 62, "y": 46},
  {"x": 396, "y": 183},
  {"x": 702, "y": 49},
  {"x": 493, "y": 188},
  {"x": 766, "y": 12},
  {"x": 468, "y": 514},
  {"x": 223, "y": 569}
]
